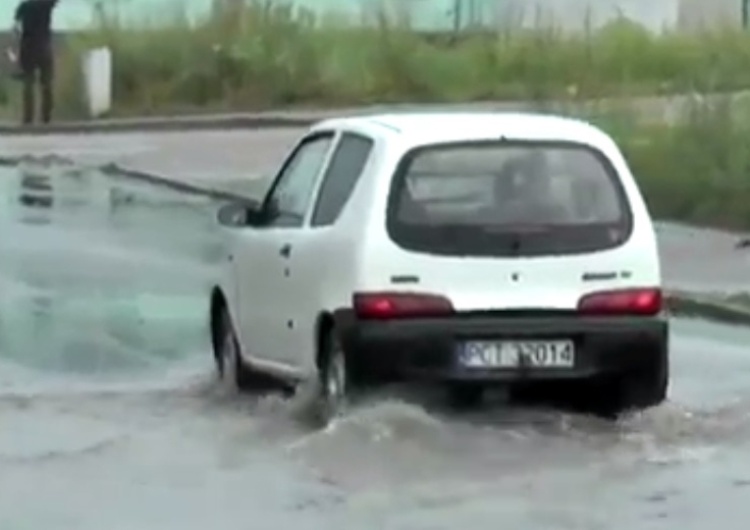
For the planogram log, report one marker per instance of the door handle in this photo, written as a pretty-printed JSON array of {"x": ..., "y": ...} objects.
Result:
[{"x": 286, "y": 250}]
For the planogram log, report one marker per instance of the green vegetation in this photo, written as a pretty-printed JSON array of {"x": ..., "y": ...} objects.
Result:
[
  {"x": 698, "y": 169},
  {"x": 253, "y": 56},
  {"x": 261, "y": 54}
]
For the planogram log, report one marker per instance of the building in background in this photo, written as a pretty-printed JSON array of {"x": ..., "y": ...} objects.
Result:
[
  {"x": 440, "y": 15},
  {"x": 573, "y": 15},
  {"x": 697, "y": 14}
]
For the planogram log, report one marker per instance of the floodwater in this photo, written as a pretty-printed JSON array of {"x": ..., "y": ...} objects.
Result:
[{"x": 111, "y": 418}]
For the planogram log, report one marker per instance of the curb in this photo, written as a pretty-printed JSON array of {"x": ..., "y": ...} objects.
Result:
[
  {"x": 305, "y": 117},
  {"x": 116, "y": 171},
  {"x": 679, "y": 303},
  {"x": 182, "y": 124},
  {"x": 704, "y": 307}
]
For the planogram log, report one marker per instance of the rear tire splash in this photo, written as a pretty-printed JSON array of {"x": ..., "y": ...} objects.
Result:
[
  {"x": 231, "y": 370},
  {"x": 332, "y": 387}
]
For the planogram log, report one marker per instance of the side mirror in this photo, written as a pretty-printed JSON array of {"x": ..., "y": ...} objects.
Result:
[{"x": 238, "y": 214}]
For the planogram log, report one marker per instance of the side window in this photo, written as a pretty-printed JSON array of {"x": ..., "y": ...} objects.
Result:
[
  {"x": 290, "y": 198},
  {"x": 342, "y": 175}
]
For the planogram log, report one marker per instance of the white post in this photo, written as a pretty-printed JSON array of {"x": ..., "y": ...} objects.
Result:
[{"x": 97, "y": 77}]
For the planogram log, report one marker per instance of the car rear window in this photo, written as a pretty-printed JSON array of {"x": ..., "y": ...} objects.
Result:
[{"x": 502, "y": 198}]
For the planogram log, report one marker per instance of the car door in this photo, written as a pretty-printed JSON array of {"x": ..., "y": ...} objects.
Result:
[
  {"x": 313, "y": 254},
  {"x": 264, "y": 265}
]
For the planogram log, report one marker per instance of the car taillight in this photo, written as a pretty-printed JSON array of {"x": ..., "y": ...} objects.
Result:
[
  {"x": 622, "y": 302},
  {"x": 392, "y": 305}
]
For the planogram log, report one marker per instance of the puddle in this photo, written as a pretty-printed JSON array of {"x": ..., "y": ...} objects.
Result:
[{"x": 101, "y": 275}]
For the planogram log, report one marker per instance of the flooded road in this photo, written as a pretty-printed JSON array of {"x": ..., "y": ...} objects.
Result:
[{"x": 111, "y": 419}]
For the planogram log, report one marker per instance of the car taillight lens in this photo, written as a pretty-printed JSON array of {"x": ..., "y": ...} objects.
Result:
[
  {"x": 392, "y": 305},
  {"x": 622, "y": 302}
]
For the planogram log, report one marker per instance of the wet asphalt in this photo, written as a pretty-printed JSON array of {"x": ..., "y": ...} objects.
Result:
[{"x": 111, "y": 417}]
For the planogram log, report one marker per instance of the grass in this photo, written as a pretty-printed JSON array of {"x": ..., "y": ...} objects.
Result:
[
  {"x": 696, "y": 169},
  {"x": 262, "y": 55}
]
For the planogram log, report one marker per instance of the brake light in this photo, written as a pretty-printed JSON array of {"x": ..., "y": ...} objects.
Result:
[
  {"x": 622, "y": 302},
  {"x": 392, "y": 305}
]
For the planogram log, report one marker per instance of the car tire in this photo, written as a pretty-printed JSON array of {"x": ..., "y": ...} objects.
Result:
[
  {"x": 639, "y": 389},
  {"x": 465, "y": 395},
  {"x": 334, "y": 381},
  {"x": 647, "y": 387},
  {"x": 232, "y": 371}
]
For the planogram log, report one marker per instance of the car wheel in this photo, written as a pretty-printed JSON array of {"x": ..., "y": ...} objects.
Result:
[
  {"x": 635, "y": 390},
  {"x": 646, "y": 387},
  {"x": 232, "y": 371},
  {"x": 465, "y": 395},
  {"x": 334, "y": 381}
]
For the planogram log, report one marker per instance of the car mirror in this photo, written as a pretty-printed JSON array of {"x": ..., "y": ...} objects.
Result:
[
  {"x": 237, "y": 214},
  {"x": 272, "y": 208}
]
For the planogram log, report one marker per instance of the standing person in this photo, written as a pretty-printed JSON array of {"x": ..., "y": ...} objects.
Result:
[{"x": 33, "y": 30}]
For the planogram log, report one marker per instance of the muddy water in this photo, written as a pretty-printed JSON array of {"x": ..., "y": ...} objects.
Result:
[{"x": 111, "y": 418}]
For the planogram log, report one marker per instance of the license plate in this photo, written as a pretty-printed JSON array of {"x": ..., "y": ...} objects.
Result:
[{"x": 517, "y": 354}]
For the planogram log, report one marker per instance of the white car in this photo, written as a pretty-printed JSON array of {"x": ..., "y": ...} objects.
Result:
[{"x": 473, "y": 249}]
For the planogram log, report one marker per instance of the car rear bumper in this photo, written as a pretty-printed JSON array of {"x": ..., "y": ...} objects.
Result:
[{"x": 428, "y": 348}]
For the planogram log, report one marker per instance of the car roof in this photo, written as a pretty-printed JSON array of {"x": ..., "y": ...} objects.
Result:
[{"x": 428, "y": 126}]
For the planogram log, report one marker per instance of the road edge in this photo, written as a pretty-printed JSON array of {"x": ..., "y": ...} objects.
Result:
[
  {"x": 305, "y": 116},
  {"x": 681, "y": 303},
  {"x": 678, "y": 302},
  {"x": 165, "y": 124},
  {"x": 123, "y": 172}
]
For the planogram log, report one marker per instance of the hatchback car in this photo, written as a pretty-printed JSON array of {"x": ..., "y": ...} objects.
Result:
[{"x": 470, "y": 249}]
